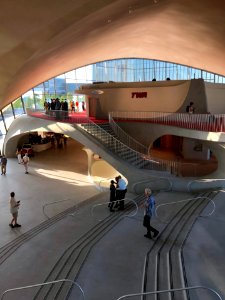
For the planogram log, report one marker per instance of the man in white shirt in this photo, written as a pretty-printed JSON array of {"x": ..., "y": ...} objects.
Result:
[
  {"x": 121, "y": 191},
  {"x": 26, "y": 162}
]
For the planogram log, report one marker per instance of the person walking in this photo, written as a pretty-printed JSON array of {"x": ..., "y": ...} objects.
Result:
[
  {"x": 14, "y": 206},
  {"x": 18, "y": 154},
  {"x": 149, "y": 213},
  {"x": 3, "y": 164},
  {"x": 26, "y": 162}
]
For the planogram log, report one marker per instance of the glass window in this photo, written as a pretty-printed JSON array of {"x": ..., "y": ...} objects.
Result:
[
  {"x": 2, "y": 126},
  {"x": 60, "y": 86},
  {"x": 8, "y": 115},
  {"x": 28, "y": 99},
  {"x": 18, "y": 107}
]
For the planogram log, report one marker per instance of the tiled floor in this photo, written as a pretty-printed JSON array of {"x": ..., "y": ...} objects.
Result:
[{"x": 54, "y": 175}]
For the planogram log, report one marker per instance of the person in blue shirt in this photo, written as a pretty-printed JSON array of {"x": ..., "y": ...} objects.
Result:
[{"x": 149, "y": 212}]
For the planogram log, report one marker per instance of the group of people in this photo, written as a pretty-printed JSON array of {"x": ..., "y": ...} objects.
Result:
[
  {"x": 57, "y": 105},
  {"x": 118, "y": 189}
]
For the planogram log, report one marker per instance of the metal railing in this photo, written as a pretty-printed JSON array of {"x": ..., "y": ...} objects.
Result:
[
  {"x": 186, "y": 200},
  {"x": 171, "y": 291},
  {"x": 202, "y": 122},
  {"x": 55, "y": 202},
  {"x": 125, "y": 138},
  {"x": 122, "y": 148},
  {"x": 107, "y": 203},
  {"x": 125, "y": 151},
  {"x": 42, "y": 284}
]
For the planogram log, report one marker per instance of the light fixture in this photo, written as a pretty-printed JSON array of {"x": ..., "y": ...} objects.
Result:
[{"x": 97, "y": 92}]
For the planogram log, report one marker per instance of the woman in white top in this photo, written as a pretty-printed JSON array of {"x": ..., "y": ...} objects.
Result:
[
  {"x": 14, "y": 206},
  {"x": 26, "y": 162}
]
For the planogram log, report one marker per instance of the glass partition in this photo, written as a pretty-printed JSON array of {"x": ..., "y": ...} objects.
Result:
[
  {"x": 8, "y": 115},
  {"x": 2, "y": 126},
  {"x": 39, "y": 96},
  {"x": 18, "y": 107},
  {"x": 28, "y": 99}
]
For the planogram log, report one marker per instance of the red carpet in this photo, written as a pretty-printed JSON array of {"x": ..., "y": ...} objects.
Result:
[
  {"x": 82, "y": 118},
  {"x": 73, "y": 118}
]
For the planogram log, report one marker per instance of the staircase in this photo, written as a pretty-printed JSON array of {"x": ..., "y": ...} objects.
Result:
[{"x": 104, "y": 134}]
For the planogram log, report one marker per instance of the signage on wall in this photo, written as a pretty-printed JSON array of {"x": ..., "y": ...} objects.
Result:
[{"x": 139, "y": 95}]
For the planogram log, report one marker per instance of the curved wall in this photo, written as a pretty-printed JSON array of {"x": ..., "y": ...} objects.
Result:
[
  {"x": 162, "y": 96},
  {"x": 27, "y": 124}
]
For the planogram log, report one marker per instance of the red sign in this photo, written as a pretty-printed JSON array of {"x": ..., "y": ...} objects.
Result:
[{"x": 139, "y": 95}]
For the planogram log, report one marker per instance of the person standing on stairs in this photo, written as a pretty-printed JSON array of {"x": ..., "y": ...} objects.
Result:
[{"x": 149, "y": 213}]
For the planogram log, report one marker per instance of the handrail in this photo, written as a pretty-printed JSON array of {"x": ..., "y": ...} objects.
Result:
[
  {"x": 50, "y": 203},
  {"x": 126, "y": 138},
  {"x": 172, "y": 290},
  {"x": 42, "y": 284},
  {"x": 140, "y": 160},
  {"x": 192, "y": 199},
  {"x": 153, "y": 180},
  {"x": 164, "y": 164},
  {"x": 101, "y": 204},
  {"x": 202, "y": 122}
]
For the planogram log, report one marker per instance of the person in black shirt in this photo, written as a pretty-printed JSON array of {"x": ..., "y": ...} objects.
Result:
[{"x": 112, "y": 195}]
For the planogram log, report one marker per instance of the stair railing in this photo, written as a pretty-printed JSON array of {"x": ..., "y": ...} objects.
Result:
[
  {"x": 173, "y": 290},
  {"x": 202, "y": 122},
  {"x": 126, "y": 138},
  {"x": 107, "y": 203},
  {"x": 186, "y": 200},
  {"x": 42, "y": 284},
  {"x": 116, "y": 146}
]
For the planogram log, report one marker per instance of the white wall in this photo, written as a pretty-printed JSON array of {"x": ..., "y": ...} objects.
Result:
[
  {"x": 215, "y": 97},
  {"x": 195, "y": 149},
  {"x": 167, "y": 97}
]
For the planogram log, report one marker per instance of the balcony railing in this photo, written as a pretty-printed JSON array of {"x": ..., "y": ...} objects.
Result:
[{"x": 202, "y": 122}]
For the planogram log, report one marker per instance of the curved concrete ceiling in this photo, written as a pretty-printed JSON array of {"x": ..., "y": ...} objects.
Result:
[{"x": 43, "y": 38}]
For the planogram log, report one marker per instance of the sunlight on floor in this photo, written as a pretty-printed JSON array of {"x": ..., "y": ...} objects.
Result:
[{"x": 65, "y": 176}]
